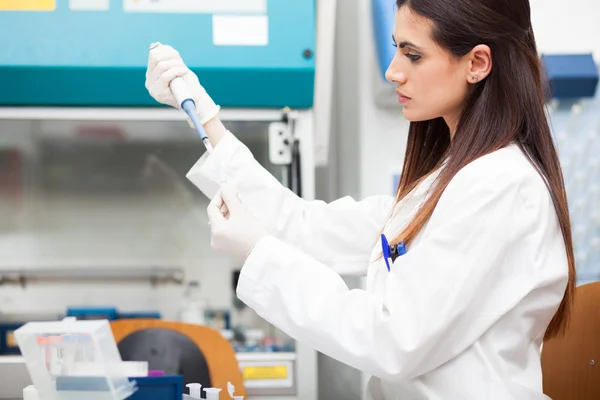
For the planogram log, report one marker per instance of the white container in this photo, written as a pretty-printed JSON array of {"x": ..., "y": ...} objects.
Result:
[
  {"x": 30, "y": 393},
  {"x": 57, "y": 352},
  {"x": 193, "y": 305},
  {"x": 212, "y": 393},
  {"x": 195, "y": 390}
]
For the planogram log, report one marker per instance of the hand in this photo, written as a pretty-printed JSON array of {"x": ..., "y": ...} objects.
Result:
[
  {"x": 237, "y": 232},
  {"x": 165, "y": 64}
]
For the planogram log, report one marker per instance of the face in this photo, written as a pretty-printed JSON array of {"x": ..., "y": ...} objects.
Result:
[{"x": 430, "y": 81}]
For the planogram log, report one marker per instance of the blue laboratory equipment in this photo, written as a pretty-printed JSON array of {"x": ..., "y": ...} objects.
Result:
[
  {"x": 158, "y": 387},
  {"x": 383, "y": 12},
  {"x": 108, "y": 313},
  {"x": 147, "y": 387},
  {"x": 93, "y": 313},
  {"x": 571, "y": 76},
  {"x": 73, "y": 58}
]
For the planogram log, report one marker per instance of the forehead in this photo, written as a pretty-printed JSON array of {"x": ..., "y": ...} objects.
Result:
[{"x": 409, "y": 26}]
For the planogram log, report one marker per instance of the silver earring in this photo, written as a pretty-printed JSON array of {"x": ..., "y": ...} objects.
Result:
[{"x": 475, "y": 77}]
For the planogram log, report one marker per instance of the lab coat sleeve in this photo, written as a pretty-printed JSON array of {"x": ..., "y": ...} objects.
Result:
[
  {"x": 340, "y": 234},
  {"x": 439, "y": 298}
]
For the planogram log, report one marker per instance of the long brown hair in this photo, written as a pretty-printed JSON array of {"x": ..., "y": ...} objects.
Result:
[{"x": 508, "y": 106}]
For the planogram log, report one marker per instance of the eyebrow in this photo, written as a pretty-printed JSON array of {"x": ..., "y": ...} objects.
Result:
[{"x": 406, "y": 44}]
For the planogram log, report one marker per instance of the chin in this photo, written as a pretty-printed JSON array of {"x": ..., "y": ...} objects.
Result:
[
  {"x": 411, "y": 115},
  {"x": 415, "y": 116}
]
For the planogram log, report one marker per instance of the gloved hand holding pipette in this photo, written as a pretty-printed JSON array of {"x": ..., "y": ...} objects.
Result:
[{"x": 172, "y": 83}]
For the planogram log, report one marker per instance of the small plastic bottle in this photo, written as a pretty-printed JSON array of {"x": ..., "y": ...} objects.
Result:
[
  {"x": 212, "y": 393},
  {"x": 193, "y": 306},
  {"x": 30, "y": 393},
  {"x": 195, "y": 390}
]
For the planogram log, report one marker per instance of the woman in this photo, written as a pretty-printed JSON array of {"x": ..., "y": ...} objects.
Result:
[{"x": 481, "y": 207}]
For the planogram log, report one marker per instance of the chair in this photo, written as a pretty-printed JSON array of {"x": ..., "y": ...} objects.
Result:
[
  {"x": 199, "y": 353},
  {"x": 571, "y": 364}
]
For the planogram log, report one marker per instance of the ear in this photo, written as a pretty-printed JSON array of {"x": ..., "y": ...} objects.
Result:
[{"x": 479, "y": 63}]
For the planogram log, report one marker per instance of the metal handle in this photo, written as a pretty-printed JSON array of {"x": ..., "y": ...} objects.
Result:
[{"x": 154, "y": 275}]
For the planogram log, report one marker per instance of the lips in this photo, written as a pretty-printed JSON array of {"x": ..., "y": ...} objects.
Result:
[
  {"x": 402, "y": 98},
  {"x": 400, "y": 94}
]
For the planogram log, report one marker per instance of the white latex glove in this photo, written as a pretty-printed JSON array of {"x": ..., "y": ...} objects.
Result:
[
  {"x": 237, "y": 232},
  {"x": 165, "y": 64}
]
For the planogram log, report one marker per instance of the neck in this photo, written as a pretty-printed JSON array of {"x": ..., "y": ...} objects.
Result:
[{"x": 452, "y": 122}]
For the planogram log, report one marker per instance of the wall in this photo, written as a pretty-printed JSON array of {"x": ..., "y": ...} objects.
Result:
[{"x": 567, "y": 26}]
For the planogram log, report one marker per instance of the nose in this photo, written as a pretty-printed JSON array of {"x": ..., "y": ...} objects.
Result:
[{"x": 394, "y": 73}]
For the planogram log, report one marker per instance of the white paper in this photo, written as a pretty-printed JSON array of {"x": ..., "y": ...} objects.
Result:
[
  {"x": 240, "y": 30},
  {"x": 196, "y": 6},
  {"x": 89, "y": 5}
]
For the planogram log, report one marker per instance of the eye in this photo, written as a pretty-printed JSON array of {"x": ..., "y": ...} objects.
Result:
[
  {"x": 413, "y": 57},
  {"x": 394, "y": 44}
]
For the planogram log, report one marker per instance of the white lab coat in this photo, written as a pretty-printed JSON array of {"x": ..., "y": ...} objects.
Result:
[{"x": 461, "y": 316}]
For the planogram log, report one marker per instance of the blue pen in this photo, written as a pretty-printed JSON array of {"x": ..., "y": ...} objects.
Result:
[
  {"x": 391, "y": 252},
  {"x": 401, "y": 249},
  {"x": 385, "y": 249}
]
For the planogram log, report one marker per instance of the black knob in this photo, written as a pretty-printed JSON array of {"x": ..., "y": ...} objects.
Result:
[{"x": 307, "y": 54}]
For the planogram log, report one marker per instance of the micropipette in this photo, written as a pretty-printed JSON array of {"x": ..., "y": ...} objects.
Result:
[{"x": 186, "y": 101}]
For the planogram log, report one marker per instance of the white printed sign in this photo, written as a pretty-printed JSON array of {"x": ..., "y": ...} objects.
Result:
[
  {"x": 89, "y": 5},
  {"x": 240, "y": 30},
  {"x": 196, "y": 6}
]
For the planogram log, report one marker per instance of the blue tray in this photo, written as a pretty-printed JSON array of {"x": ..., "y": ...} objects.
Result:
[{"x": 148, "y": 388}]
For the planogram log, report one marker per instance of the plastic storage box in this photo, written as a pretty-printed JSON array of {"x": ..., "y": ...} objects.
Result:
[{"x": 57, "y": 351}]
